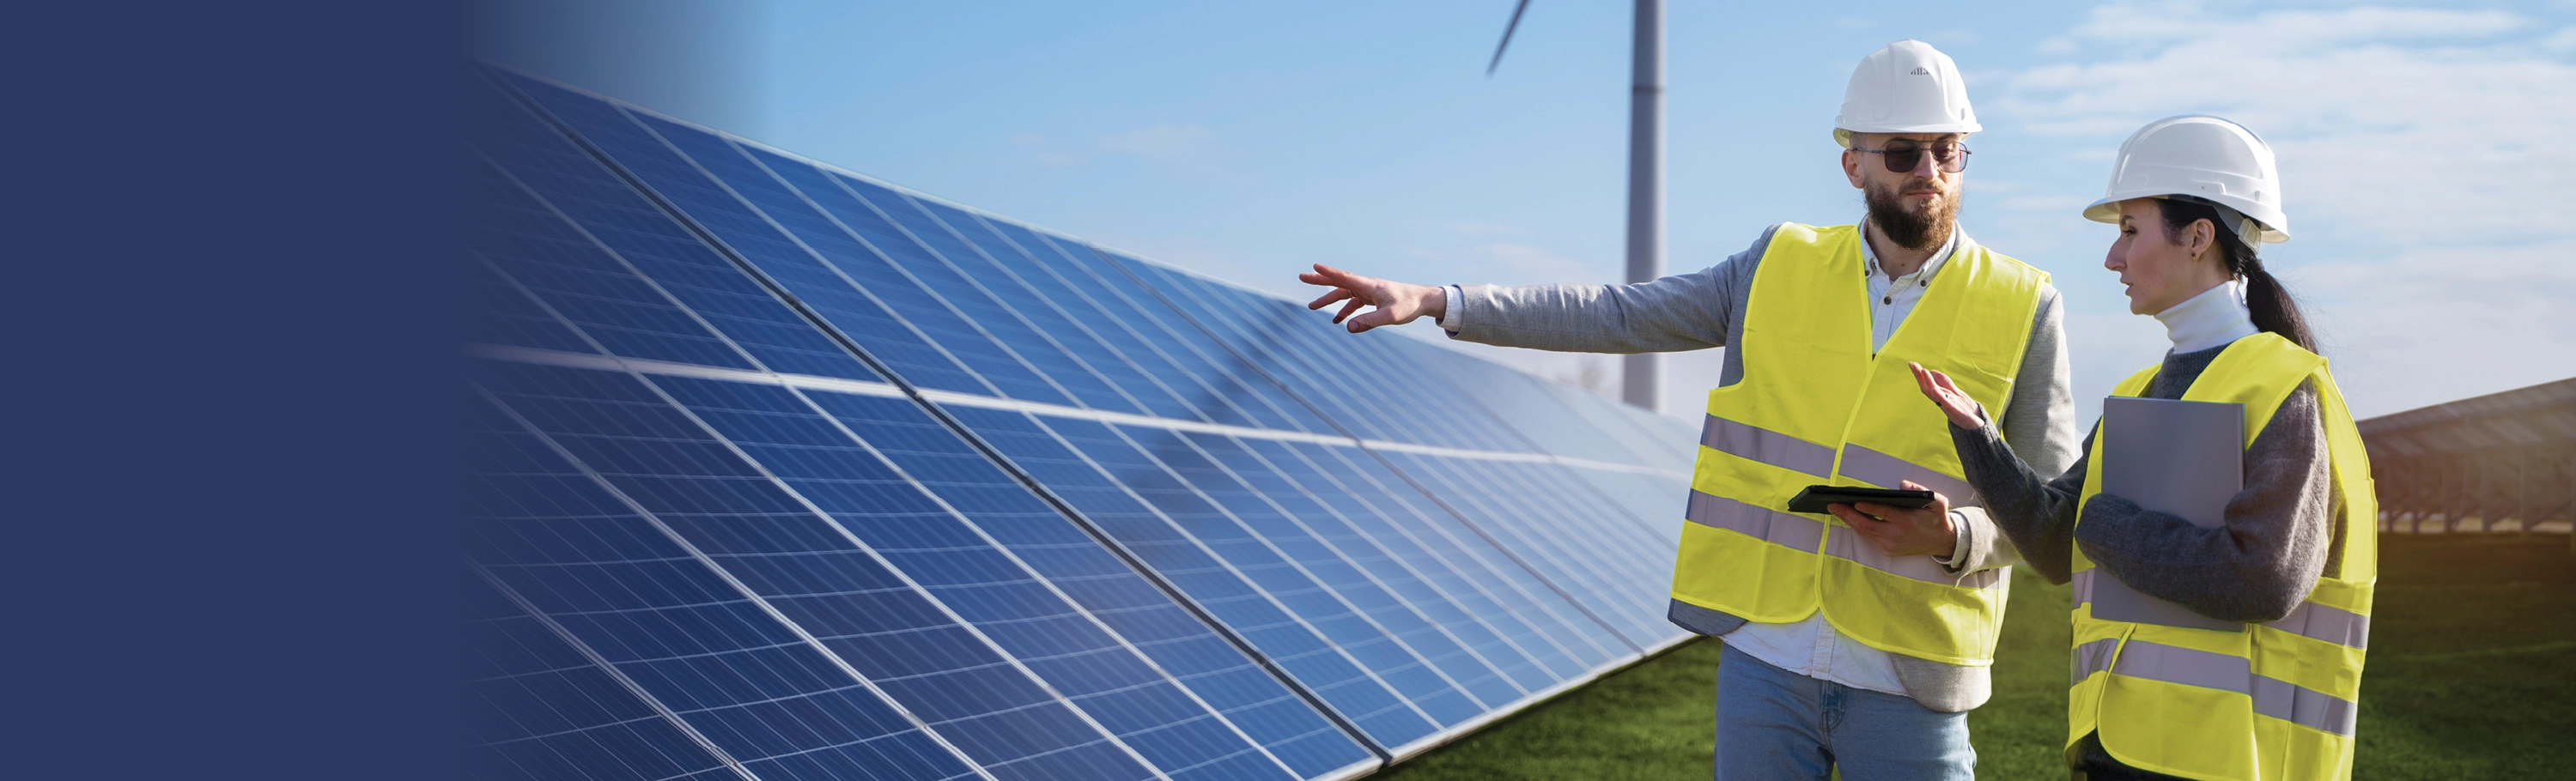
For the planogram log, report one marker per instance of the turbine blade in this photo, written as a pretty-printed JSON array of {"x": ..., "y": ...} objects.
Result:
[{"x": 1507, "y": 37}]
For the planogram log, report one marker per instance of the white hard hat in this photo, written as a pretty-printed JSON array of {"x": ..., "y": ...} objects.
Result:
[
  {"x": 1905, "y": 87},
  {"x": 2206, "y": 159}
]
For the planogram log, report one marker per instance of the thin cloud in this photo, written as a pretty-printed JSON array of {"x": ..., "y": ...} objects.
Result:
[
  {"x": 2412, "y": 142},
  {"x": 2563, "y": 40},
  {"x": 2407, "y": 139},
  {"x": 1162, "y": 142}
]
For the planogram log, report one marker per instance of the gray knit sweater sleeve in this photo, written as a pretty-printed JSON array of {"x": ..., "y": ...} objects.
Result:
[
  {"x": 2034, "y": 511},
  {"x": 2256, "y": 567}
]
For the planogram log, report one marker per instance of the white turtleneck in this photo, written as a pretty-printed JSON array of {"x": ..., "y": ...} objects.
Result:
[{"x": 2215, "y": 318}]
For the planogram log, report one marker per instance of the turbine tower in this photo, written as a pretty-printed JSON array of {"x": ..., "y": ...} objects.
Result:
[{"x": 1641, "y": 374}]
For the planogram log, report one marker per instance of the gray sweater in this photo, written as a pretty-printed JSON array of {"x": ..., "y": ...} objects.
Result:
[
  {"x": 2277, "y": 538},
  {"x": 1705, "y": 309}
]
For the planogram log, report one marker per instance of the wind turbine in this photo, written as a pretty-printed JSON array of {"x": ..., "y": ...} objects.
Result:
[{"x": 1641, "y": 374}]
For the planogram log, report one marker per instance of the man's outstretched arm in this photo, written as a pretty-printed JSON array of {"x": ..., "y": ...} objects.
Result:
[{"x": 1691, "y": 311}]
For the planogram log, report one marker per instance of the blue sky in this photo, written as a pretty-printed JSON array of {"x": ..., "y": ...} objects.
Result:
[{"x": 2434, "y": 221}]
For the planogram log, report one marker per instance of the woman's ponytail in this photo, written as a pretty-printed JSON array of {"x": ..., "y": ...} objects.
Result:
[{"x": 2271, "y": 306}]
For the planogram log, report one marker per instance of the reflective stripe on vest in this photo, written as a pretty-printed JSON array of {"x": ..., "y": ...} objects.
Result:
[
  {"x": 1770, "y": 447},
  {"x": 1815, "y": 406},
  {"x": 1795, "y": 532},
  {"x": 2312, "y": 620},
  {"x": 2092, "y": 658},
  {"x": 1850, "y": 547},
  {"x": 2167, "y": 703},
  {"x": 2271, "y": 697}
]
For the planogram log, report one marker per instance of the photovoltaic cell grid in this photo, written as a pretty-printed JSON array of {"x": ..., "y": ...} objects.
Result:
[{"x": 792, "y": 474}]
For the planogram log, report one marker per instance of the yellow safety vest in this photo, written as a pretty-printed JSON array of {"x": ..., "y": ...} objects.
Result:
[
  {"x": 1815, "y": 406},
  {"x": 2273, "y": 700}
]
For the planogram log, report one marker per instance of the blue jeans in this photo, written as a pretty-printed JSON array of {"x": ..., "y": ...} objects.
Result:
[{"x": 1776, "y": 724}]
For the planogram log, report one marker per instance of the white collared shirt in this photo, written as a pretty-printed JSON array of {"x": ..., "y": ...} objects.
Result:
[
  {"x": 1812, "y": 647},
  {"x": 1890, "y": 300}
]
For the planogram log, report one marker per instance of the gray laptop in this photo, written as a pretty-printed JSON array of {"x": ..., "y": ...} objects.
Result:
[{"x": 2186, "y": 458}]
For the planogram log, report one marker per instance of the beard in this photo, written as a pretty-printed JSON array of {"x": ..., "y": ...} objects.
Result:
[{"x": 1924, "y": 230}]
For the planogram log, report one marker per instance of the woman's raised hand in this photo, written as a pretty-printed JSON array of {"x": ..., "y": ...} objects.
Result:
[{"x": 1962, "y": 411}]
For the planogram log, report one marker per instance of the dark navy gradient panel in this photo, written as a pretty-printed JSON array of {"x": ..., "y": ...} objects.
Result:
[
  {"x": 799, "y": 565},
  {"x": 621, "y": 587},
  {"x": 1178, "y": 642},
  {"x": 541, "y": 711},
  {"x": 1261, "y": 618},
  {"x": 639, "y": 234}
]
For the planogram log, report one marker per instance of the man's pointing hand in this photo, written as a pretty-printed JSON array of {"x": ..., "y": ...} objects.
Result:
[{"x": 1397, "y": 303}]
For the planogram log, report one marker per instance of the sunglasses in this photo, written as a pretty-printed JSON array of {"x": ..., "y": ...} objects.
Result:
[{"x": 1900, "y": 158}]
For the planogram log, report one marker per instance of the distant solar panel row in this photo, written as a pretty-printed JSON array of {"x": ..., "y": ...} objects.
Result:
[{"x": 786, "y": 473}]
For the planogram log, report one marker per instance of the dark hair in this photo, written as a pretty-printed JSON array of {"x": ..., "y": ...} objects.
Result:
[{"x": 2271, "y": 305}]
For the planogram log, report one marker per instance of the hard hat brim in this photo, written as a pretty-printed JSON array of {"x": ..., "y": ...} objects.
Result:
[
  {"x": 2107, "y": 210},
  {"x": 1938, "y": 127}
]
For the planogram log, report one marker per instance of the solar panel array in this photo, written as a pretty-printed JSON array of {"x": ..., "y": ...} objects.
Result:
[{"x": 788, "y": 473}]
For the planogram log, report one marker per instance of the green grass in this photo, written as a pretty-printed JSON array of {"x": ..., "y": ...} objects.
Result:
[{"x": 2471, "y": 675}]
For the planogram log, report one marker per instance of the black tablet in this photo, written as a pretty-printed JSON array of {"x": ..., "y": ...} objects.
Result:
[{"x": 1815, "y": 497}]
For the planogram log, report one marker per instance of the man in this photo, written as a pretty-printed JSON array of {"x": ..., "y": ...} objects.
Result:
[{"x": 1851, "y": 641}]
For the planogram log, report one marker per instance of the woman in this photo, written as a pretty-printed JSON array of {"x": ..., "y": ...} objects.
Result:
[{"x": 2272, "y": 691}]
